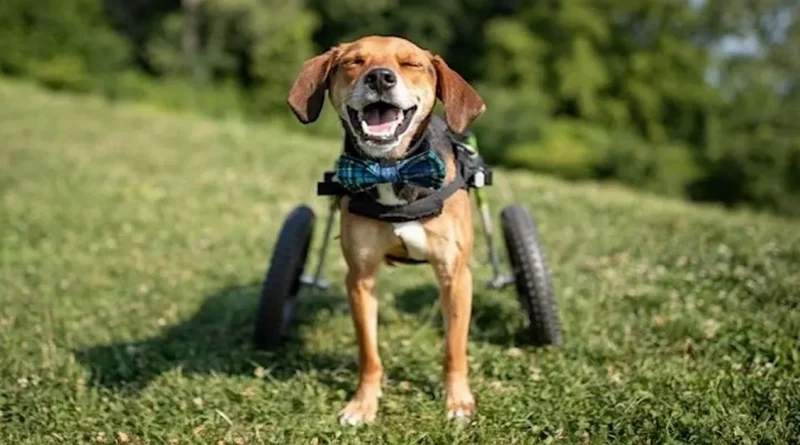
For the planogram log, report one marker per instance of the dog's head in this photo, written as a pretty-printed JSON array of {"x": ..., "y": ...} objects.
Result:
[{"x": 384, "y": 89}]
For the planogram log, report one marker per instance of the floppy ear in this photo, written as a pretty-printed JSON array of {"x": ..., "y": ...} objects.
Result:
[
  {"x": 308, "y": 92},
  {"x": 462, "y": 104}
]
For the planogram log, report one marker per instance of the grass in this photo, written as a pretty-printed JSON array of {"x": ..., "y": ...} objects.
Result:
[{"x": 133, "y": 242}]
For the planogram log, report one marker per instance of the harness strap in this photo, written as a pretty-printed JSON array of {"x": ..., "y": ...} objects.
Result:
[{"x": 426, "y": 207}]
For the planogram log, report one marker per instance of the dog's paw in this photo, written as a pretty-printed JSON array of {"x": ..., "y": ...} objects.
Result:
[
  {"x": 460, "y": 406},
  {"x": 359, "y": 411}
]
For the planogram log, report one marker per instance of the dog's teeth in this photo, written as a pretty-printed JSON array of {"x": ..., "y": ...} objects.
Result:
[
  {"x": 397, "y": 121},
  {"x": 386, "y": 133}
]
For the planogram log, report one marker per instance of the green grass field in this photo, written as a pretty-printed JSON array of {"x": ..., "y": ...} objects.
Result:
[{"x": 133, "y": 243}]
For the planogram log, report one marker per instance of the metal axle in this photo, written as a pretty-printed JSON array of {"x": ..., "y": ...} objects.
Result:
[
  {"x": 316, "y": 280},
  {"x": 499, "y": 280}
]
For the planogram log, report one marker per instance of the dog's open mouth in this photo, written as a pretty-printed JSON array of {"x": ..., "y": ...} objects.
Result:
[{"x": 381, "y": 122}]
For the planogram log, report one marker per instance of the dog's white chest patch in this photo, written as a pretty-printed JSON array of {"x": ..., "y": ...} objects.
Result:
[
  {"x": 387, "y": 197},
  {"x": 412, "y": 233}
]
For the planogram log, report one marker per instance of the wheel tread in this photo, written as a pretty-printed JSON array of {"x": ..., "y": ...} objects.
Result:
[
  {"x": 281, "y": 282},
  {"x": 533, "y": 278}
]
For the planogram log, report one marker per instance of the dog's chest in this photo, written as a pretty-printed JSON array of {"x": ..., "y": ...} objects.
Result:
[
  {"x": 388, "y": 195},
  {"x": 412, "y": 233}
]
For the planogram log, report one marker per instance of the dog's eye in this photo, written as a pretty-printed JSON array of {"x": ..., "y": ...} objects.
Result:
[
  {"x": 356, "y": 61},
  {"x": 411, "y": 64}
]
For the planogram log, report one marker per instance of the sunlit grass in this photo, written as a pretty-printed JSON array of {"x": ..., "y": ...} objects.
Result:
[{"x": 133, "y": 242}]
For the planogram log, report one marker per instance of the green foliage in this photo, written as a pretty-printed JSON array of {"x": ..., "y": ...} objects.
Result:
[
  {"x": 752, "y": 151},
  {"x": 636, "y": 91},
  {"x": 219, "y": 100},
  {"x": 516, "y": 116},
  {"x": 424, "y": 21},
  {"x": 281, "y": 42},
  {"x": 568, "y": 148},
  {"x": 513, "y": 56},
  {"x": 62, "y": 72},
  {"x": 258, "y": 42},
  {"x": 574, "y": 149},
  {"x": 45, "y": 38},
  {"x": 758, "y": 167},
  {"x": 667, "y": 169}
]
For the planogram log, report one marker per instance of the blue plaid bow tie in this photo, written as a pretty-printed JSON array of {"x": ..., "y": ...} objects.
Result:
[{"x": 424, "y": 169}]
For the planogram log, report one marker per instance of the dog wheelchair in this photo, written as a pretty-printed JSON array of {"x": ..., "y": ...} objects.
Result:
[{"x": 288, "y": 274}]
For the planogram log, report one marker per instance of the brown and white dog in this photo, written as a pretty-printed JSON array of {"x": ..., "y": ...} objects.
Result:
[{"x": 384, "y": 90}]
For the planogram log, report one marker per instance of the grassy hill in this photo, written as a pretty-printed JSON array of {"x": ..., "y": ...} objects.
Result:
[{"x": 133, "y": 242}]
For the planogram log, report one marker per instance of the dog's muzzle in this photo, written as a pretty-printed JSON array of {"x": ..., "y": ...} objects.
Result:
[{"x": 381, "y": 108}]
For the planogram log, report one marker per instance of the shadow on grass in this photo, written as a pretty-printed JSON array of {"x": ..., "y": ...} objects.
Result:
[
  {"x": 497, "y": 317},
  {"x": 216, "y": 340}
]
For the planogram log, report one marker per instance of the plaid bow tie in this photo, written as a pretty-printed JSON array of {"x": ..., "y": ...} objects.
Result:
[{"x": 424, "y": 169}]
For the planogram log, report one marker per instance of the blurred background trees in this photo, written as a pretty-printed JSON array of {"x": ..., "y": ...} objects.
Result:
[{"x": 692, "y": 98}]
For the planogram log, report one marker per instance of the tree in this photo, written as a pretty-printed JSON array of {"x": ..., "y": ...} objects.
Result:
[
  {"x": 63, "y": 44},
  {"x": 257, "y": 44},
  {"x": 753, "y": 155}
]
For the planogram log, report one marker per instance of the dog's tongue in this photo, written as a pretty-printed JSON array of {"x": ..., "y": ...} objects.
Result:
[{"x": 380, "y": 118}]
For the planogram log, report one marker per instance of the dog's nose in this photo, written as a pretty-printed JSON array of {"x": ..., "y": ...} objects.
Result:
[{"x": 380, "y": 79}]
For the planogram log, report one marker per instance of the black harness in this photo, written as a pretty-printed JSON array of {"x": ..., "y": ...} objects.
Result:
[{"x": 471, "y": 172}]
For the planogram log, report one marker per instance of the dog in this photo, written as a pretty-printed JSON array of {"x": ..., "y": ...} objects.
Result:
[{"x": 384, "y": 90}]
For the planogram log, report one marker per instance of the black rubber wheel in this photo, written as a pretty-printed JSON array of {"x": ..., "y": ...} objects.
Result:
[
  {"x": 282, "y": 281},
  {"x": 531, "y": 275}
]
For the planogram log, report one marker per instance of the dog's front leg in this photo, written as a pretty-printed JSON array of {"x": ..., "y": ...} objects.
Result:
[
  {"x": 364, "y": 309},
  {"x": 362, "y": 244},
  {"x": 450, "y": 244},
  {"x": 456, "y": 294}
]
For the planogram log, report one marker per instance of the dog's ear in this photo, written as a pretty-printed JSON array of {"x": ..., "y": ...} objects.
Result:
[
  {"x": 462, "y": 104},
  {"x": 308, "y": 92}
]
